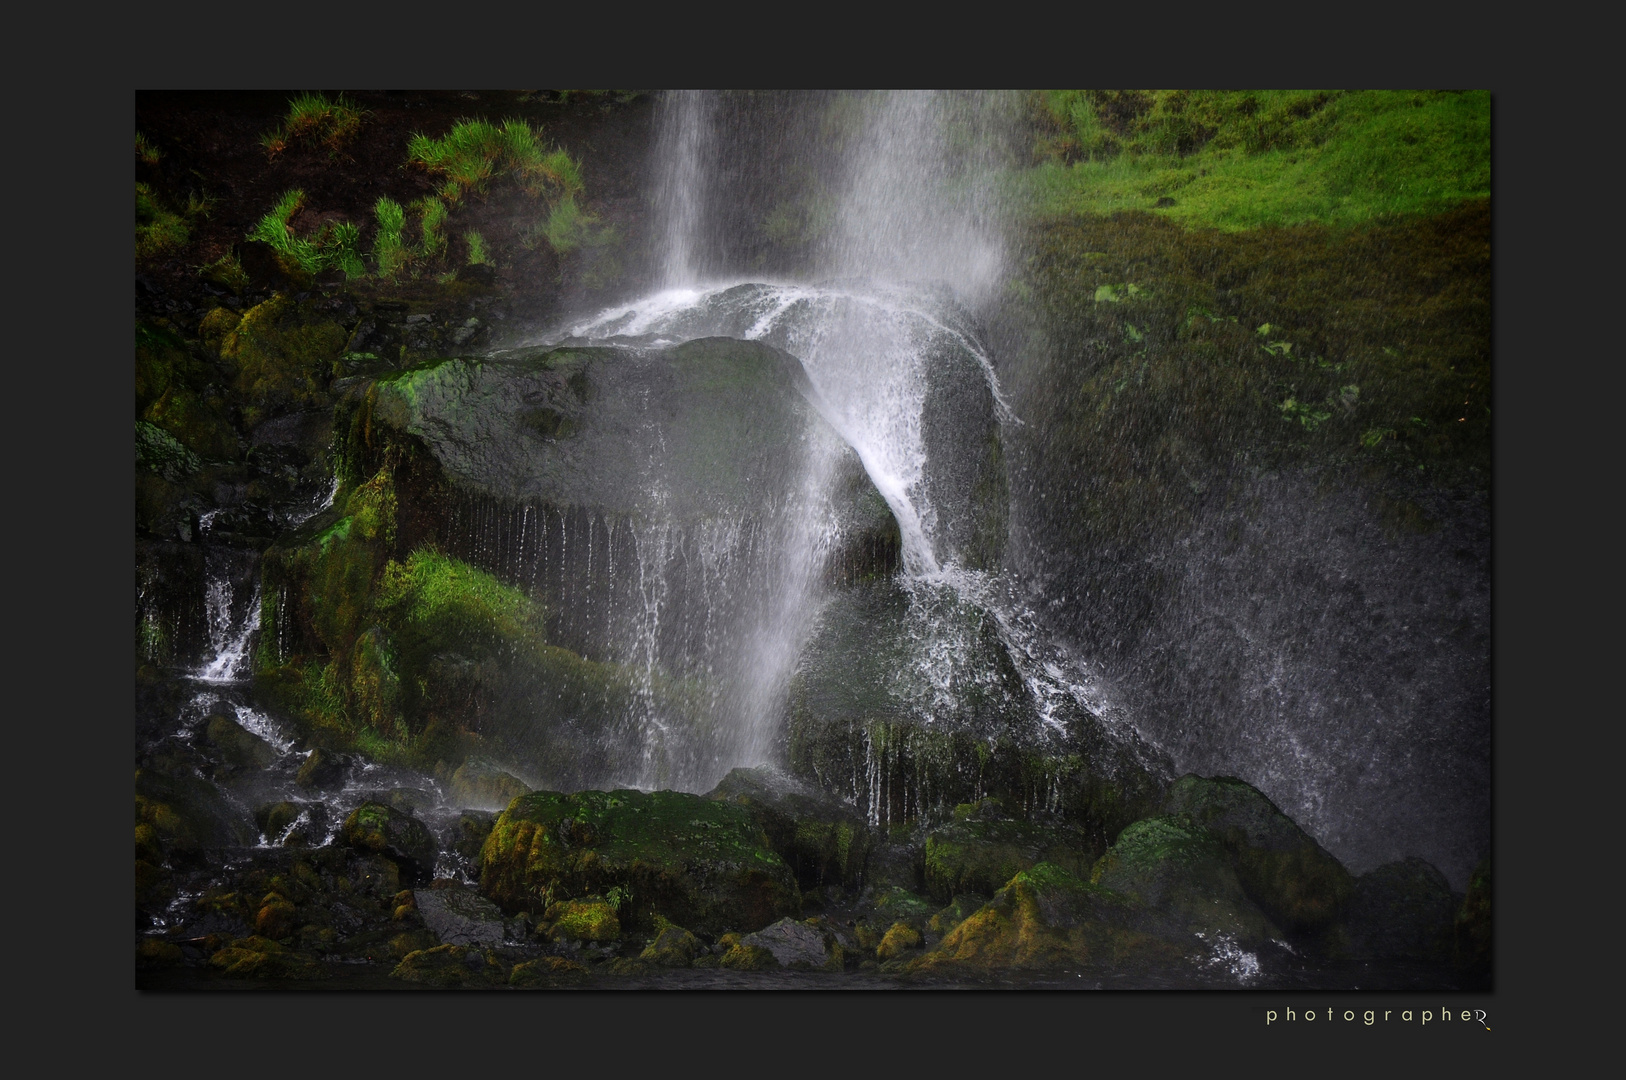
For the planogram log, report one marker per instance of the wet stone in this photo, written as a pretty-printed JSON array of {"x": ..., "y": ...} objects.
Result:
[{"x": 461, "y": 916}]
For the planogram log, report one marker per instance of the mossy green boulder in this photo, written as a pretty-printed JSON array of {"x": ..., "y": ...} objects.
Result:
[
  {"x": 451, "y": 967},
  {"x": 672, "y": 947},
  {"x": 257, "y": 957},
  {"x": 701, "y": 863},
  {"x": 1293, "y": 879},
  {"x": 1180, "y": 869},
  {"x": 481, "y": 785},
  {"x": 590, "y": 919},
  {"x": 398, "y": 836}
]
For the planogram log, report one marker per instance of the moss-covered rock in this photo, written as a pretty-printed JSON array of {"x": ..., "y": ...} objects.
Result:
[
  {"x": 257, "y": 957},
  {"x": 1295, "y": 881},
  {"x": 673, "y": 947},
  {"x": 1046, "y": 918},
  {"x": 157, "y": 953},
  {"x": 284, "y": 351},
  {"x": 592, "y": 918},
  {"x": 276, "y": 917},
  {"x": 237, "y": 745},
  {"x": 1403, "y": 910},
  {"x": 702, "y": 863},
  {"x": 749, "y": 958},
  {"x": 322, "y": 768},
  {"x": 483, "y": 785},
  {"x": 982, "y": 848},
  {"x": 401, "y": 837},
  {"x": 547, "y": 971},
  {"x": 899, "y": 941},
  {"x": 1177, "y": 867},
  {"x": 955, "y": 913},
  {"x": 451, "y": 967}
]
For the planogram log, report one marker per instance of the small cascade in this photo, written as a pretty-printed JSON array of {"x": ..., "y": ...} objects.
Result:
[{"x": 232, "y": 608}]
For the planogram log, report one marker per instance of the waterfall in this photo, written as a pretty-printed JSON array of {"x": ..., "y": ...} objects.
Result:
[
  {"x": 881, "y": 315},
  {"x": 232, "y": 609}
]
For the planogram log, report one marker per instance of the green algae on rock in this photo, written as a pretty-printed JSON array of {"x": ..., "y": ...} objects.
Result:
[{"x": 697, "y": 862}]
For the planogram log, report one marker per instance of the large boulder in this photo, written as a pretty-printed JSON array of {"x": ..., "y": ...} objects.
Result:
[
  {"x": 1403, "y": 910},
  {"x": 901, "y": 685},
  {"x": 481, "y": 785},
  {"x": 1179, "y": 868},
  {"x": 1292, "y": 878},
  {"x": 400, "y": 837},
  {"x": 825, "y": 841},
  {"x": 697, "y": 862}
]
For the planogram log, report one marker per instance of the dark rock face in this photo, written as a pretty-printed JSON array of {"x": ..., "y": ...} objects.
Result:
[
  {"x": 1402, "y": 910},
  {"x": 1284, "y": 870},
  {"x": 899, "y": 689},
  {"x": 825, "y": 841}
]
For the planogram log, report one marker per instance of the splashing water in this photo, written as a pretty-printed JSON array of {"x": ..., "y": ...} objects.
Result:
[{"x": 231, "y": 624}]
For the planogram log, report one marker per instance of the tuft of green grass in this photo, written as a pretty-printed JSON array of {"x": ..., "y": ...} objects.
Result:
[
  {"x": 1237, "y": 160},
  {"x": 475, "y": 152},
  {"x": 388, "y": 251},
  {"x": 146, "y": 151},
  {"x": 157, "y": 228},
  {"x": 431, "y": 220},
  {"x": 312, "y": 117},
  {"x": 477, "y": 248},
  {"x": 335, "y": 245}
]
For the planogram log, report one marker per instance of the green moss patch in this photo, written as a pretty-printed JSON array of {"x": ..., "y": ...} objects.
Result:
[
  {"x": 1246, "y": 159},
  {"x": 700, "y": 863}
]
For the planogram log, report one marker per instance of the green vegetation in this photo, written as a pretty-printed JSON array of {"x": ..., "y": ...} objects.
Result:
[
  {"x": 334, "y": 245},
  {"x": 313, "y": 118},
  {"x": 226, "y": 272},
  {"x": 389, "y": 253},
  {"x": 146, "y": 151},
  {"x": 1242, "y": 159},
  {"x": 477, "y": 151},
  {"x": 477, "y": 248},
  {"x": 157, "y": 228}
]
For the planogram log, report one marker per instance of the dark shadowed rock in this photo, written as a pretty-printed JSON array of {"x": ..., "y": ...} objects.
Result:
[
  {"x": 1402, "y": 910},
  {"x": 1290, "y": 876}
]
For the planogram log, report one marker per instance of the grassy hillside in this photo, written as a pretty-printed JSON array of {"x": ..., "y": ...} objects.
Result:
[{"x": 1241, "y": 159}]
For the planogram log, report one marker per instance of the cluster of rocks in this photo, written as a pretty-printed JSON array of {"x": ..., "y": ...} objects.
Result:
[{"x": 763, "y": 875}]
